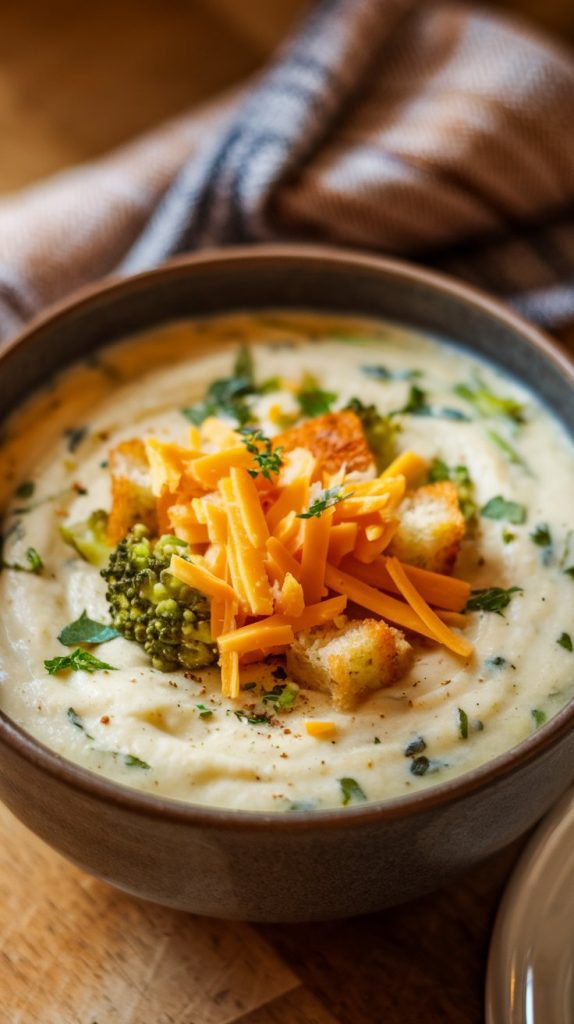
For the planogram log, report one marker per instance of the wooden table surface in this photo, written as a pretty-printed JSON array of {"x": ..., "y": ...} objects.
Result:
[{"x": 76, "y": 79}]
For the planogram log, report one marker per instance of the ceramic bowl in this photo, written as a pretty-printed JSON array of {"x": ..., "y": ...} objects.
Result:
[{"x": 284, "y": 866}]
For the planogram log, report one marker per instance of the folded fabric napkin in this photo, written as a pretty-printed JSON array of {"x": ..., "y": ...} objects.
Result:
[{"x": 427, "y": 129}]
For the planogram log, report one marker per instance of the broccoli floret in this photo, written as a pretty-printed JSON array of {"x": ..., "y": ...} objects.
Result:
[
  {"x": 380, "y": 431},
  {"x": 89, "y": 537},
  {"x": 151, "y": 607}
]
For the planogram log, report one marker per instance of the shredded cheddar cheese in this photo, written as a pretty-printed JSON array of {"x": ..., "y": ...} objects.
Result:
[{"x": 272, "y": 572}]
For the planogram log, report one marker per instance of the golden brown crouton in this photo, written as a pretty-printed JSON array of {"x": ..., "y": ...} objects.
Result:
[
  {"x": 335, "y": 439},
  {"x": 431, "y": 528},
  {"x": 132, "y": 498},
  {"x": 349, "y": 661}
]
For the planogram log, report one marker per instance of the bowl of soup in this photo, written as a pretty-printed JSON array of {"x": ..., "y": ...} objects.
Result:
[{"x": 287, "y": 581}]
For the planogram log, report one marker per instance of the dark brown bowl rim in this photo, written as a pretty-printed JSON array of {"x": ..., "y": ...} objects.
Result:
[{"x": 178, "y": 811}]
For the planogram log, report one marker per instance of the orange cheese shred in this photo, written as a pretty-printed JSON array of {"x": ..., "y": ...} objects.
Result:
[
  {"x": 247, "y": 560},
  {"x": 367, "y": 597},
  {"x": 410, "y": 465},
  {"x": 440, "y": 591},
  {"x": 442, "y": 633},
  {"x": 320, "y": 730},
  {"x": 342, "y": 539},
  {"x": 314, "y": 554},
  {"x": 247, "y": 498},
  {"x": 197, "y": 576},
  {"x": 209, "y": 469},
  {"x": 291, "y": 600}
]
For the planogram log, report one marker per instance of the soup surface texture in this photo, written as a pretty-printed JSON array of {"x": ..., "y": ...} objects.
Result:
[{"x": 173, "y": 732}]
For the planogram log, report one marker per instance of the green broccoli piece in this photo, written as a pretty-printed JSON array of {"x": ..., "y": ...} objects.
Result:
[
  {"x": 380, "y": 431},
  {"x": 89, "y": 537},
  {"x": 151, "y": 607}
]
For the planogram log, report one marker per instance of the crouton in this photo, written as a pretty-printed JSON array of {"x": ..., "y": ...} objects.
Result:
[
  {"x": 132, "y": 498},
  {"x": 431, "y": 528},
  {"x": 349, "y": 661},
  {"x": 335, "y": 439}
]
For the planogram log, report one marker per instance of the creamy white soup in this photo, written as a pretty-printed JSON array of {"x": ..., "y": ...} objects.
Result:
[{"x": 282, "y": 743}]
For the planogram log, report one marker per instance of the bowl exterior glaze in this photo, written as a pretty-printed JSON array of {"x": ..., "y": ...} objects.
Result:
[{"x": 284, "y": 867}]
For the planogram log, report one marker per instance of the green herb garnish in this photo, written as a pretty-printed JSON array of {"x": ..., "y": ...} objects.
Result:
[
  {"x": 314, "y": 402},
  {"x": 376, "y": 741},
  {"x": 281, "y": 696},
  {"x": 460, "y": 476},
  {"x": 565, "y": 641},
  {"x": 351, "y": 790},
  {"x": 491, "y": 599},
  {"x": 496, "y": 662},
  {"x": 79, "y": 660},
  {"x": 226, "y": 396},
  {"x": 541, "y": 536},
  {"x": 462, "y": 723},
  {"x": 415, "y": 746},
  {"x": 508, "y": 536},
  {"x": 75, "y": 436},
  {"x": 327, "y": 499},
  {"x": 500, "y": 508},
  {"x": 86, "y": 631},
  {"x": 35, "y": 563},
  {"x": 25, "y": 490},
  {"x": 383, "y": 373},
  {"x": 417, "y": 405},
  {"x": 507, "y": 450},
  {"x": 420, "y": 765},
  {"x": 487, "y": 403},
  {"x": 380, "y": 431},
  {"x": 538, "y": 716},
  {"x": 131, "y": 761},
  {"x": 243, "y": 716},
  {"x": 248, "y": 686},
  {"x": 203, "y": 711},
  {"x": 265, "y": 456}
]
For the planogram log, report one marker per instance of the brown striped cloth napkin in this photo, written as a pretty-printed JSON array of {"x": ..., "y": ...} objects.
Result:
[{"x": 431, "y": 130}]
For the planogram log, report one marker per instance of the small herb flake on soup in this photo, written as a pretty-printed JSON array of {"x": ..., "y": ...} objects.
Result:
[{"x": 285, "y": 562}]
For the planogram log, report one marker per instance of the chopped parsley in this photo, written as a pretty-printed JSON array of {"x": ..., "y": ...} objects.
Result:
[
  {"x": 507, "y": 450},
  {"x": 248, "y": 686},
  {"x": 327, "y": 499},
  {"x": 76, "y": 720},
  {"x": 420, "y": 765},
  {"x": 462, "y": 719},
  {"x": 538, "y": 716},
  {"x": 313, "y": 401},
  {"x": 227, "y": 395},
  {"x": 415, "y": 746},
  {"x": 244, "y": 716},
  {"x": 541, "y": 536},
  {"x": 267, "y": 458},
  {"x": 380, "y": 431},
  {"x": 491, "y": 599},
  {"x": 460, "y": 476},
  {"x": 78, "y": 661},
  {"x": 203, "y": 711},
  {"x": 508, "y": 536},
  {"x": 500, "y": 508},
  {"x": 281, "y": 696},
  {"x": 279, "y": 672},
  {"x": 376, "y": 741},
  {"x": 25, "y": 490},
  {"x": 131, "y": 761},
  {"x": 383, "y": 373},
  {"x": 496, "y": 662},
  {"x": 75, "y": 436},
  {"x": 565, "y": 641},
  {"x": 351, "y": 791},
  {"x": 86, "y": 631},
  {"x": 417, "y": 405},
  {"x": 35, "y": 563},
  {"x": 487, "y": 403}
]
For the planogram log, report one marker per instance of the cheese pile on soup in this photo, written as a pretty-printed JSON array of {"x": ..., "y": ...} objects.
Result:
[{"x": 285, "y": 562}]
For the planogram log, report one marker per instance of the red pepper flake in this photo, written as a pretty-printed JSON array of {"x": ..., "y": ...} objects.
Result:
[{"x": 105, "y": 719}]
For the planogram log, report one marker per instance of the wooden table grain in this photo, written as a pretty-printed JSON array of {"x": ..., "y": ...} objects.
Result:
[{"x": 76, "y": 79}]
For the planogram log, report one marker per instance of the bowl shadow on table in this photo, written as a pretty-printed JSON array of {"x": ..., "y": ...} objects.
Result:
[{"x": 427, "y": 956}]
